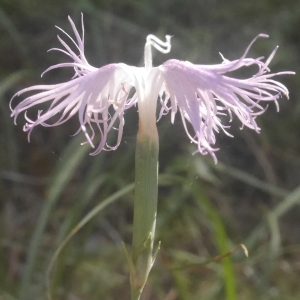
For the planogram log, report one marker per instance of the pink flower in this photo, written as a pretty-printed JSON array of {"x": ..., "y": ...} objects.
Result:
[{"x": 201, "y": 93}]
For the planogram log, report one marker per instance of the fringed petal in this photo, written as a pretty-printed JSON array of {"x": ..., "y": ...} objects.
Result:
[
  {"x": 99, "y": 99},
  {"x": 202, "y": 93}
]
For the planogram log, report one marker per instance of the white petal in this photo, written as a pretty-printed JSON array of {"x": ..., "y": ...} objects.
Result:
[
  {"x": 91, "y": 96},
  {"x": 203, "y": 92}
]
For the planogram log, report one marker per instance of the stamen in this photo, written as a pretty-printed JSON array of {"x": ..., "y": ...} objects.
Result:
[{"x": 161, "y": 46}]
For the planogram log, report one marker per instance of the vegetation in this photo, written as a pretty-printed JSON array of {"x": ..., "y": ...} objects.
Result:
[{"x": 48, "y": 186}]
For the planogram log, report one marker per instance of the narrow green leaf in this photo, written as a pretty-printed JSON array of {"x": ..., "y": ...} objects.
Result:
[
  {"x": 83, "y": 222},
  {"x": 221, "y": 240},
  {"x": 63, "y": 173}
]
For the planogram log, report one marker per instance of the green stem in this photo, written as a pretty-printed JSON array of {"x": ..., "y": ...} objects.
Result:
[{"x": 145, "y": 207}]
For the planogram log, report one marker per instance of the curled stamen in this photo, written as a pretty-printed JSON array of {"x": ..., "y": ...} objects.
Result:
[{"x": 158, "y": 44}]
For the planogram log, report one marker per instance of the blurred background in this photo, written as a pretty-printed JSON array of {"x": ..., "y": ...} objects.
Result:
[{"x": 47, "y": 186}]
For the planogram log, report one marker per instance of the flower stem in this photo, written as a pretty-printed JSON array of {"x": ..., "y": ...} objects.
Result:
[{"x": 145, "y": 207}]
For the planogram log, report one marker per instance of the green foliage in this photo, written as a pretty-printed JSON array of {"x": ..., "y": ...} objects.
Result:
[{"x": 49, "y": 186}]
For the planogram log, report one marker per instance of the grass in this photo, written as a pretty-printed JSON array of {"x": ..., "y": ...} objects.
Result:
[{"x": 51, "y": 188}]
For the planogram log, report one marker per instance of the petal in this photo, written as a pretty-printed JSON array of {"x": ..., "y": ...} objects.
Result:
[
  {"x": 80, "y": 64},
  {"x": 202, "y": 93},
  {"x": 93, "y": 96}
]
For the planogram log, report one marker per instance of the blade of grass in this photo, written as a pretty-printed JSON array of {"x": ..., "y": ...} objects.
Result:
[
  {"x": 284, "y": 206},
  {"x": 221, "y": 240},
  {"x": 89, "y": 189},
  {"x": 64, "y": 171},
  {"x": 10, "y": 27},
  {"x": 251, "y": 180},
  {"x": 8, "y": 128},
  {"x": 11, "y": 80},
  {"x": 273, "y": 251},
  {"x": 83, "y": 222}
]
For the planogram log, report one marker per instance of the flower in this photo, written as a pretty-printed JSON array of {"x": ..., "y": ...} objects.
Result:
[{"x": 201, "y": 93}]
